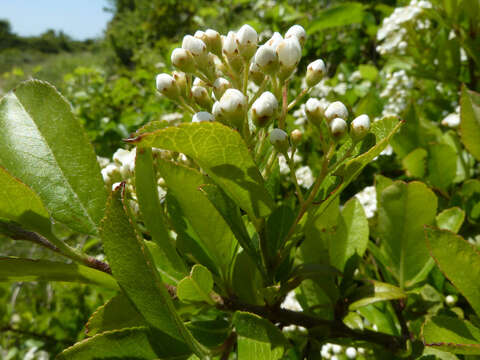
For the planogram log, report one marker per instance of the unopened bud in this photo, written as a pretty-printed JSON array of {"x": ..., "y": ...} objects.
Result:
[
  {"x": 217, "y": 113},
  {"x": 230, "y": 50},
  {"x": 246, "y": 39},
  {"x": 314, "y": 111},
  {"x": 336, "y": 110},
  {"x": 256, "y": 74},
  {"x": 267, "y": 59},
  {"x": 202, "y": 116},
  {"x": 200, "y": 95},
  {"x": 220, "y": 86},
  {"x": 296, "y": 137},
  {"x": 181, "y": 81},
  {"x": 274, "y": 40},
  {"x": 279, "y": 140},
  {"x": 298, "y": 32},
  {"x": 183, "y": 60},
  {"x": 199, "y": 82},
  {"x": 196, "y": 46},
  {"x": 360, "y": 127},
  {"x": 166, "y": 86},
  {"x": 264, "y": 109},
  {"x": 450, "y": 300},
  {"x": 233, "y": 105},
  {"x": 213, "y": 41},
  {"x": 289, "y": 54},
  {"x": 338, "y": 127},
  {"x": 315, "y": 72}
]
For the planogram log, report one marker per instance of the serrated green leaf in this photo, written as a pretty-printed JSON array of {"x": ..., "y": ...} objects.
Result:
[
  {"x": 197, "y": 286},
  {"x": 351, "y": 235},
  {"x": 404, "y": 211},
  {"x": 152, "y": 213},
  {"x": 169, "y": 275},
  {"x": 116, "y": 314},
  {"x": 132, "y": 266},
  {"x": 470, "y": 121},
  {"x": 451, "y": 219},
  {"x": 19, "y": 203},
  {"x": 45, "y": 147},
  {"x": 375, "y": 291},
  {"x": 338, "y": 15},
  {"x": 277, "y": 227},
  {"x": 223, "y": 155},
  {"x": 212, "y": 230},
  {"x": 18, "y": 269},
  {"x": 257, "y": 338},
  {"x": 211, "y": 333},
  {"x": 139, "y": 343},
  {"x": 452, "y": 335},
  {"x": 458, "y": 260}
]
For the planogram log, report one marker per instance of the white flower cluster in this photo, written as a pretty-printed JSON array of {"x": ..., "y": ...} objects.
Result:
[
  {"x": 336, "y": 352},
  {"x": 396, "y": 92},
  {"x": 392, "y": 33},
  {"x": 368, "y": 199}
]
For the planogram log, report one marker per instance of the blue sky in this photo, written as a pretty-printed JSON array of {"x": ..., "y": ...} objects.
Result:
[{"x": 80, "y": 19}]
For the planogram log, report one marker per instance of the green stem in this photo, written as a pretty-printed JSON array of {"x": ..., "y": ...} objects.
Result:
[
  {"x": 281, "y": 120},
  {"x": 291, "y": 165},
  {"x": 298, "y": 98}
]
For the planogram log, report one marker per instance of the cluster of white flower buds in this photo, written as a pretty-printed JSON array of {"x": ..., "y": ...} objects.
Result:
[{"x": 214, "y": 76}]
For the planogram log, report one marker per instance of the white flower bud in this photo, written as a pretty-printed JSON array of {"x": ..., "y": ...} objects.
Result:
[
  {"x": 213, "y": 41},
  {"x": 296, "y": 137},
  {"x": 336, "y": 110},
  {"x": 315, "y": 72},
  {"x": 181, "y": 81},
  {"x": 196, "y": 46},
  {"x": 289, "y": 54},
  {"x": 183, "y": 60},
  {"x": 233, "y": 105},
  {"x": 256, "y": 74},
  {"x": 200, "y": 95},
  {"x": 217, "y": 113},
  {"x": 351, "y": 352},
  {"x": 314, "y": 110},
  {"x": 337, "y": 349},
  {"x": 360, "y": 127},
  {"x": 220, "y": 86},
  {"x": 266, "y": 58},
  {"x": 279, "y": 139},
  {"x": 246, "y": 39},
  {"x": 298, "y": 32},
  {"x": 264, "y": 109},
  {"x": 450, "y": 300},
  {"x": 451, "y": 120},
  {"x": 166, "y": 86},
  {"x": 230, "y": 45},
  {"x": 274, "y": 40},
  {"x": 338, "y": 127},
  {"x": 202, "y": 116}
]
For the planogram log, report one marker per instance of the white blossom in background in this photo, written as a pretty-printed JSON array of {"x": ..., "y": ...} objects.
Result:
[
  {"x": 392, "y": 33},
  {"x": 172, "y": 117},
  {"x": 452, "y": 120},
  {"x": 282, "y": 162},
  {"x": 368, "y": 199},
  {"x": 396, "y": 92},
  {"x": 304, "y": 177},
  {"x": 291, "y": 303}
]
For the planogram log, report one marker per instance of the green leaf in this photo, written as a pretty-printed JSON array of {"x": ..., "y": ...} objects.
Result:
[
  {"x": 211, "y": 333},
  {"x": 470, "y": 121},
  {"x": 351, "y": 235},
  {"x": 197, "y": 286},
  {"x": 459, "y": 261},
  {"x": 231, "y": 214},
  {"x": 258, "y": 338},
  {"x": 415, "y": 163},
  {"x": 45, "y": 147},
  {"x": 451, "y": 219},
  {"x": 132, "y": 266},
  {"x": 278, "y": 225},
  {"x": 452, "y": 335},
  {"x": 375, "y": 291},
  {"x": 368, "y": 72},
  {"x": 404, "y": 210},
  {"x": 17, "y": 269},
  {"x": 212, "y": 230},
  {"x": 169, "y": 275},
  {"x": 442, "y": 165},
  {"x": 223, "y": 155},
  {"x": 117, "y": 313},
  {"x": 19, "y": 203},
  {"x": 247, "y": 280},
  {"x": 138, "y": 343},
  {"x": 152, "y": 212},
  {"x": 338, "y": 15}
]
